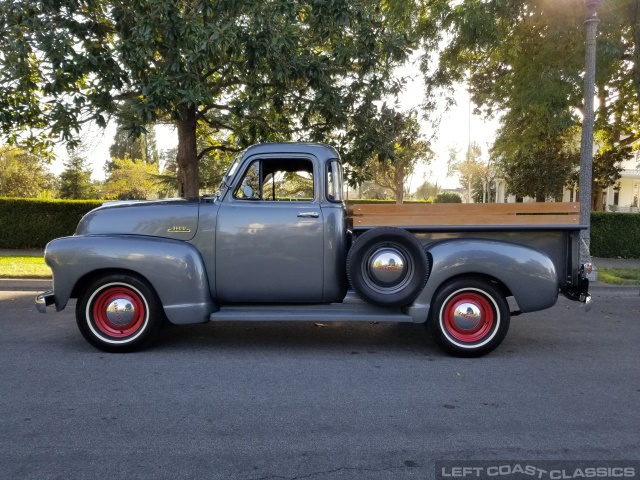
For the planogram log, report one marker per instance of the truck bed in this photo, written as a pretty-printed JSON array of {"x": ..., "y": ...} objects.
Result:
[{"x": 552, "y": 228}]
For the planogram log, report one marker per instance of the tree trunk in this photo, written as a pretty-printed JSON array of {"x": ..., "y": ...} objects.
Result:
[
  {"x": 187, "y": 158},
  {"x": 399, "y": 178},
  {"x": 597, "y": 200},
  {"x": 400, "y": 197},
  {"x": 541, "y": 198}
]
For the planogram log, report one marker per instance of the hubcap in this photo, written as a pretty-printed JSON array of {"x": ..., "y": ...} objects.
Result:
[
  {"x": 387, "y": 267},
  {"x": 120, "y": 312},
  {"x": 467, "y": 316}
]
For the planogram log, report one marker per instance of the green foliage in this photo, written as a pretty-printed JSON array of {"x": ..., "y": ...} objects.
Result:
[
  {"x": 375, "y": 201},
  {"x": 131, "y": 180},
  {"x": 31, "y": 223},
  {"x": 59, "y": 68},
  {"x": 427, "y": 190},
  {"x": 261, "y": 71},
  {"x": 75, "y": 182},
  {"x": 539, "y": 170},
  {"x": 396, "y": 157},
  {"x": 473, "y": 173},
  {"x": 615, "y": 235},
  {"x": 447, "y": 197},
  {"x": 134, "y": 145},
  {"x": 525, "y": 59},
  {"x": 619, "y": 276},
  {"x": 23, "y": 175}
]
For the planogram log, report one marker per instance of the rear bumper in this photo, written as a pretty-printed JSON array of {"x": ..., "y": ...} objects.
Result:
[
  {"x": 579, "y": 291},
  {"x": 43, "y": 300}
]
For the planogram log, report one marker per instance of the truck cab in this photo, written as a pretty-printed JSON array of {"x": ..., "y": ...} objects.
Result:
[{"x": 281, "y": 233}]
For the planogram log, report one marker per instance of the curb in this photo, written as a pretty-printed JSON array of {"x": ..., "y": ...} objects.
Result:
[{"x": 596, "y": 289}]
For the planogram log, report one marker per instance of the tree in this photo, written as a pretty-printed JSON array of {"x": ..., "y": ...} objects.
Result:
[
  {"x": 260, "y": 71},
  {"x": 469, "y": 170},
  {"x": 427, "y": 190},
  {"x": 23, "y": 175},
  {"x": 137, "y": 146},
  {"x": 143, "y": 147},
  {"x": 131, "y": 180},
  {"x": 540, "y": 171},
  {"x": 525, "y": 59},
  {"x": 391, "y": 165},
  {"x": 75, "y": 181}
]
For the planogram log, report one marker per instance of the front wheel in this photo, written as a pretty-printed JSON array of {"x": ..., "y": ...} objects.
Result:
[
  {"x": 469, "y": 317},
  {"x": 119, "y": 313}
]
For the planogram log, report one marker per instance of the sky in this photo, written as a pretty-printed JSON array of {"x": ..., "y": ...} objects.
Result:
[{"x": 457, "y": 127}]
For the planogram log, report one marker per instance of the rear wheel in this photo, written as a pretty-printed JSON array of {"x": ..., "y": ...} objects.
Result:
[
  {"x": 119, "y": 313},
  {"x": 469, "y": 317}
]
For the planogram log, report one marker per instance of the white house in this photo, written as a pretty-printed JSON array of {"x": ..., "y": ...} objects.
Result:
[{"x": 625, "y": 195}]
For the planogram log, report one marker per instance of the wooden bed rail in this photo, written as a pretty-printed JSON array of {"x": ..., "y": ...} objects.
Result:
[{"x": 554, "y": 213}]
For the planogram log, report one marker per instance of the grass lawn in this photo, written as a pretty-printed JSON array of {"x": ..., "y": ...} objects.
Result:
[
  {"x": 619, "y": 276},
  {"x": 24, "y": 267}
]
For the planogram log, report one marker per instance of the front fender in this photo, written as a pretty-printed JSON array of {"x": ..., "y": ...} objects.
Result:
[
  {"x": 529, "y": 274},
  {"x": 174, "y": 269}
]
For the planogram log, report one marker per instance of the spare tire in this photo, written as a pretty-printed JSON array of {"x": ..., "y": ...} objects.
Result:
[{"x": 387, "y": 266}]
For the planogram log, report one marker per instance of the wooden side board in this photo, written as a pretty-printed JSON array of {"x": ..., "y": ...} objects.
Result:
[{"x": 558, "y": 213}]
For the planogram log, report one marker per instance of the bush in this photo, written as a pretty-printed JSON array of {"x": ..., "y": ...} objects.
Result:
[
  {"x": 30, "y": 223},
  {"x": 615, "y": 235},
  {"x": 448, "y": 197},
  {"x": 375, "y": 201}
]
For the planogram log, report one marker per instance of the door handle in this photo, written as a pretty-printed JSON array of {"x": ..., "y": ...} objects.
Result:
[{"x": 308, "y": 214}]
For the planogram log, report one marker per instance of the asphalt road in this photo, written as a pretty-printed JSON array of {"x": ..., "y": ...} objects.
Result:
[{"x": 301, "y": 401}]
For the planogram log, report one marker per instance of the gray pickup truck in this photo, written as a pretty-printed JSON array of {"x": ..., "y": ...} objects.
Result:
[{"x": 275, "y": 243}]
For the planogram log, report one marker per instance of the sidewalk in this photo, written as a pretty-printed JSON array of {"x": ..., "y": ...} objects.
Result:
[
  {"x": 5, "y": 252},
  {"x": 616, "y": 262}
]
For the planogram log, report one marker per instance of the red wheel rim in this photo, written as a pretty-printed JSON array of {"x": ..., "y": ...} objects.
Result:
[
  {"x": 119, "y": 312},
  {"x": 468, "y": 317}
]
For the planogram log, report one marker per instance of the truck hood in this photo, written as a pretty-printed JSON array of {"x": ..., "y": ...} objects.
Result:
[{"x": 176, "y": 218}]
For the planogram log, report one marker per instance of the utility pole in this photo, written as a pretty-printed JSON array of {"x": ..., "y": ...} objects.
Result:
[{"x": 586, "y": 150}]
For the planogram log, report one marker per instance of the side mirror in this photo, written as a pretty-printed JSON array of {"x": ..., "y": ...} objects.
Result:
[{"x": 247, "y": 191}]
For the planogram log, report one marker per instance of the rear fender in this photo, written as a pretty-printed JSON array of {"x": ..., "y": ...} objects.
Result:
[
  {"x": 528, "y": 274},
  {"x": 173, "y": 268}
]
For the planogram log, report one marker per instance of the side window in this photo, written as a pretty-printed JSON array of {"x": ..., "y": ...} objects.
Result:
[
  {"x": 277, "y": 180},
  {"x": 334, "y": 181},
  {"x": 249, "y": 188}
]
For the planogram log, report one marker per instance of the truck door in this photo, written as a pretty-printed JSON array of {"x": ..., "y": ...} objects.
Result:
[{"x": 269, "y": 234}]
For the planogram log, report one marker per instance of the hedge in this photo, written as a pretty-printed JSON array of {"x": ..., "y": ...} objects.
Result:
[
  {"x": 615, "y": 235},
  {"x": 27, "y": 223},
  {"x": 31, "y": 223}
]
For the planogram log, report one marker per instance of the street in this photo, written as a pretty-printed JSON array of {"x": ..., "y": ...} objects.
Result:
[{"x": 315, "y": 401}]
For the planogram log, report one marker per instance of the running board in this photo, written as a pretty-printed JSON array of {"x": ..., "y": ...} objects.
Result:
[{"x": 348, "y": 311}]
